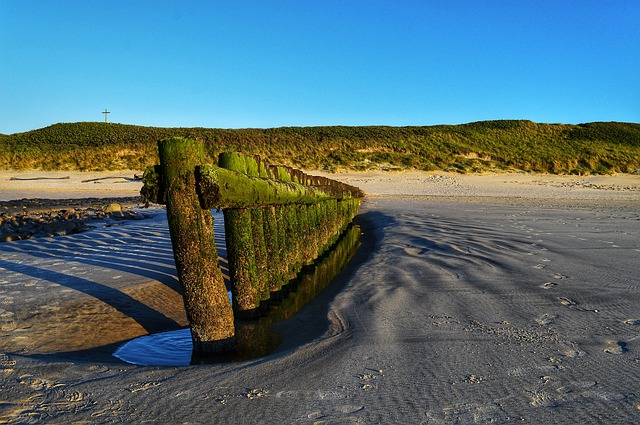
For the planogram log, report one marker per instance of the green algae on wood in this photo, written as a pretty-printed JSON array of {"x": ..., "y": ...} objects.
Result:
[
  {"x": 260, "y": 253},
  {"x": 191, "y": 228},
  {"x": 272, "y": 246},
  {"x": 152, "y": 188},
  {"x": 283, "y": 232},
  {"x": 246, "y": 282},
  {"x": 222, "y": 188},
  {"x": 242, "y": 265},
  {"x": 277, "y": 219},
  {"x": 261, "y": 278}
]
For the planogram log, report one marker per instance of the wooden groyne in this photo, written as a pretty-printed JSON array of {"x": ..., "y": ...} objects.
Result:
[{"x": 277, "y": 220}]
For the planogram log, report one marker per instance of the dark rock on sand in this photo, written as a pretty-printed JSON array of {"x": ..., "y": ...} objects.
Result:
[{"x": 32, "y": 218}]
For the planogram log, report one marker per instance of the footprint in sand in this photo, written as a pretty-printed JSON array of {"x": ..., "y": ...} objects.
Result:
[
  {"x": 632, "y": 322},
  {"x": 572, "y": 351},
  {"x": 567, "y": 302},
  {"x": 546, "y": 319},
  {"x": 548, "y": 285},
  {"x": 414, "y": 251},
  {"x": 616, "y": 347}
]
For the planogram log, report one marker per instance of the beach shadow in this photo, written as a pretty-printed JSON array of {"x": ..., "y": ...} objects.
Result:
[
  {"x": 129, "y": 249},
  {"x": 150, "y": 319},
  {"x": 309, "y": 297},
  {"x": 128, "y": 268},
  {"x": 129, "y": 246},
  {"x": 314, "y": 318}
]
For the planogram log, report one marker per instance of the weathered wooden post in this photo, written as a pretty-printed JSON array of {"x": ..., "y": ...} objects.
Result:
[
  {"x": 205, "y": 297},
  {"x": 257, "y": 230},
  {"x": 277, "y": 219},
  {"x": 240, "y": 245},
  {"x": 272, "y": 244},
  {"x": 283, "y": 234}
]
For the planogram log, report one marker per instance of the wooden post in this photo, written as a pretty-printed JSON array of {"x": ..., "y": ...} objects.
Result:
[
  {"x": 239, "y": 230},
  {"x": 283, "y": 234},
  {"x": 254, "y": 165},
  {"x": 205, "y": 297},
  {"x": 272, "y": 244},
  {"x": 242, "y": 264},
  {"x": 260, "y": 253},
  {"x": 277, "y": 219}
]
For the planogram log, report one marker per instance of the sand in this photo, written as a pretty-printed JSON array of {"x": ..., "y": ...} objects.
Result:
[
  {"x": 473, "y": 299},
  {"x": 74, "y": 184},
  {"x": 68, "y": 184}
]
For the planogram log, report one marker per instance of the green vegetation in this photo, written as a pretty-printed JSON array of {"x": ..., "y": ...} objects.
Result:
[{"x": 593, "y": 148}]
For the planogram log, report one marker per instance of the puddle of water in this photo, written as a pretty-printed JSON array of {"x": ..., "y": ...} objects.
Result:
[
  {"x": 254, "y": 338},
  {"x": 161, "y": 349},
  {"x": 175, "y": 348}
]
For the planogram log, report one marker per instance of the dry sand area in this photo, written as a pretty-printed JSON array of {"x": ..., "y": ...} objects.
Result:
[
  {"x": 473, "y": 299},
  {"x": 68, "y": 184}
]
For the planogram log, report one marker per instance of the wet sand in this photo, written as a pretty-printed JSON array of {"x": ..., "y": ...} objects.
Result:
[{"x": 468, "y": 302}]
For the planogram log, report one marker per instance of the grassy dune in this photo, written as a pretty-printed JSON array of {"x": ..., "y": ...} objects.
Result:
[{"x": 592, "y": 148}]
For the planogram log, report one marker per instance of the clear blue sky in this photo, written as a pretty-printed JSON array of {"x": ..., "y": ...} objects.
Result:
[{"x": 234, "y": 64}]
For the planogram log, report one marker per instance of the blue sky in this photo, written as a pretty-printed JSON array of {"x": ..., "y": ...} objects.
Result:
[{"x": 235, "y": 64}]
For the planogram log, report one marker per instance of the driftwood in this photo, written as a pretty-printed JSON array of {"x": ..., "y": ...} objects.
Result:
[
  {"x": 39, "y": 178},
  {"x": 129, "y": 179}
]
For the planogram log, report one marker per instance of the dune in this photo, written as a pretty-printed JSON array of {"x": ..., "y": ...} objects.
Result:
[{"x": 472, "y": 299}]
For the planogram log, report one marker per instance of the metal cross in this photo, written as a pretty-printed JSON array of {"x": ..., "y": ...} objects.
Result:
[{"x": 105, "y": 115}]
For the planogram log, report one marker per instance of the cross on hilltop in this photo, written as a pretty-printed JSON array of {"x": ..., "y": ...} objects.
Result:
[{"x": 105, "y": 115}]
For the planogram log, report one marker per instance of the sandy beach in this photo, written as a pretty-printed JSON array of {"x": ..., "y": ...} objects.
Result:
[
  {"x": 503, "y": 298},
  {"x": 75, "y": 184}
]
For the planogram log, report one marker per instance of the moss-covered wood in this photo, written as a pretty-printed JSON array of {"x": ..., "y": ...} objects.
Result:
[
  {"x": 283, "y": 235},
  {"x": 245, "y": 242},
  {"x": 249, "y": 182},
  {"x": 191, "y": 228},
  {"x": 292, "y": 241},
  {"x": 241, "y": 258},
  {"x": 223, "y": 188},
  {"x": 277, "y": 219},
  {"x": 254, "y": 169},
  {"x": 153, "y": 187},
  {"x": 272, "y": 247},
  {"x": 260, "y": 253}
]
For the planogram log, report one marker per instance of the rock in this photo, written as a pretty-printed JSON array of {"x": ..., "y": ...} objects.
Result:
[
  {"x": 65, "y": 228},
  {"x": 112, "y": 208},
  {"x": 6, "y": 237},
  {"x": 46, "y": 223},
  {"x": 115, "y": 210}
]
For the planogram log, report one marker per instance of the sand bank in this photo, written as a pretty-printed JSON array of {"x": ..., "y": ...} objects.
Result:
[{"x": 457, "y": 309}]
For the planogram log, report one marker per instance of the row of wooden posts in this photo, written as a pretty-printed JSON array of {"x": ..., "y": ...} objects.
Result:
[{"x": 277, "y": 220}]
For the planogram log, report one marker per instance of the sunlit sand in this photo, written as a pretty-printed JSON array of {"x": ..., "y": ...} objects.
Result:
[{"x": 473, "y": 299}]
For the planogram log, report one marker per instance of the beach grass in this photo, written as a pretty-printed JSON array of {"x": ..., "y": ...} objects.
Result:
[{"x": 485, "y": 146}]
